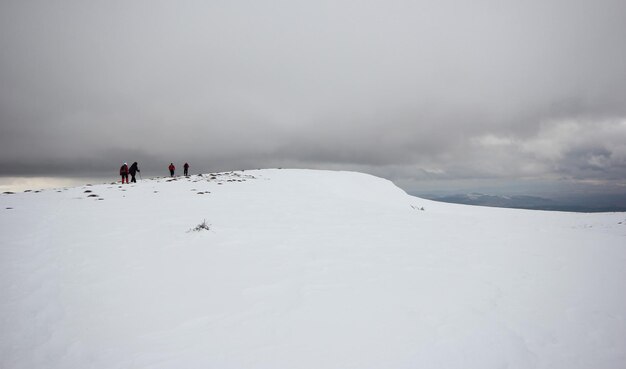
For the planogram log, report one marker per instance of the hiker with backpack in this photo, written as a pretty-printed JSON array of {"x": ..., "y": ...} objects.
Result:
[
  {"x": 171, "y": 168},
  {"x": 186, "y": 168},
  {"x": 133, "y": 171},
  {"x": 124, "y": 173}
]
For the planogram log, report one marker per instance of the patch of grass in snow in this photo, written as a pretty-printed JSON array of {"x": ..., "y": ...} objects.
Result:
[{"x": 200, "y": 227}]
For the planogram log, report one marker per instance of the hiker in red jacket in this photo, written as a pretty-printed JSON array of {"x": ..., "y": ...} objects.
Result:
[
  {"x": 186, "y": 168},
  {"x": 171, "y": 168},
  {"x": 124, "y": 172}
]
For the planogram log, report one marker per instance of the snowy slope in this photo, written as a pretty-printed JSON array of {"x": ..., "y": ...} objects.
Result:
[{"x": 303, "y": 269}]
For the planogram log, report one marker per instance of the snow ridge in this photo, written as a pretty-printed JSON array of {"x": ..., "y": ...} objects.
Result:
[{"x": 302, "y": 269}]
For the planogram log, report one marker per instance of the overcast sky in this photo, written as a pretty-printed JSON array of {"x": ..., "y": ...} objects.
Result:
[{"x": 425, "y": 93}]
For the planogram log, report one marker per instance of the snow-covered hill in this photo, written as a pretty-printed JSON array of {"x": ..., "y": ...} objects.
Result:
[{"x": 303, "y": 269}]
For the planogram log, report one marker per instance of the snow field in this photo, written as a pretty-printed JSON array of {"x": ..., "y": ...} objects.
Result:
[{"x": 303, "y": 269}]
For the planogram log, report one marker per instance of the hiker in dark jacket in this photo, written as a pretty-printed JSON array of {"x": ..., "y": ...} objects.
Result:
[
  {"x": 172, "y": 168},
  {"x": 133, "y": 171},
  {"x": 186, "y": 167},
  {"x": 124, "y": 173}
]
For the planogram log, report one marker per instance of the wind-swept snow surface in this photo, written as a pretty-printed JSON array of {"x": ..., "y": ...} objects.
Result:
[{"x": 303, "y": 269}]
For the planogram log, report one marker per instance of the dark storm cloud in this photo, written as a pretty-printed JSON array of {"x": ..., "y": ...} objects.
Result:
[{"x": 405, "y": 89}]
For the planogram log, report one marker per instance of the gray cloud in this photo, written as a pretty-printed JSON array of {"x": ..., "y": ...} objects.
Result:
[{"x": 412, "y": 90}]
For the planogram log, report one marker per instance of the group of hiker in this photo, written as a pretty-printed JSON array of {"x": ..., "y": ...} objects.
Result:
[
  {"x": 134, "y": 169},
  {"x": 172, "y": 168},
  {"x": 125, "y": 171}
]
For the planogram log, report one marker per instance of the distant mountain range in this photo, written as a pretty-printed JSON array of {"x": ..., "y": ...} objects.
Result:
[{"x": 580, "y": 203}]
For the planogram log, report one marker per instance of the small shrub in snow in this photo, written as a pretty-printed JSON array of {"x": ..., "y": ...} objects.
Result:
[{"x": 200, "y": 227}]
